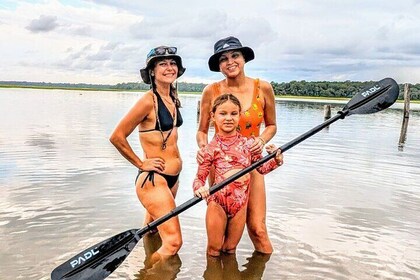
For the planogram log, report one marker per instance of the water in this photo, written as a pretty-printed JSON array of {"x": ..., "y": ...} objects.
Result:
[{"x": 345, "y": 205}]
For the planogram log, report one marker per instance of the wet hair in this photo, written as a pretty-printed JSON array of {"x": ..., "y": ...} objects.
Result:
[
  {"x": 225, "y": 98},
  {"x": 173, "y": 93}
]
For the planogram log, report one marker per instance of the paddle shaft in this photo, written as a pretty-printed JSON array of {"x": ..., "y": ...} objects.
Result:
[{"x": 193, "y": 201}]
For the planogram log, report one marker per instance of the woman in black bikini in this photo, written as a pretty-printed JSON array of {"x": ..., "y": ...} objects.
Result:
[{"x": 157, "y": 116}]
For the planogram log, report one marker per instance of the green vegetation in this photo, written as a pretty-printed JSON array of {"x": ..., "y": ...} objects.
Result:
[{"x": 331, "y": 90}]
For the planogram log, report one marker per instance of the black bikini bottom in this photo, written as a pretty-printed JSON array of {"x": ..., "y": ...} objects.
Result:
[{"x": 170, "y": 179}]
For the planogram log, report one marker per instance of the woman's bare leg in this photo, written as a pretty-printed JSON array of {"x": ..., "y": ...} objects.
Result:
[
  {"x": 256, "y": 215},
  {"x": 148, "y": 218},
  {"x": 158, "y": 201}
]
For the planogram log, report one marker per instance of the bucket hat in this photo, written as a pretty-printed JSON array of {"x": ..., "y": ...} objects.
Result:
[
  {"x": 161, "y": 52},
  {"x": 228, "y": 44}
]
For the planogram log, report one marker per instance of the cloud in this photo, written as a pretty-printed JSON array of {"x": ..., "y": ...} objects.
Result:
[
  {"x": 43, "y": 24},
  {"x": 107, "y": 41}
]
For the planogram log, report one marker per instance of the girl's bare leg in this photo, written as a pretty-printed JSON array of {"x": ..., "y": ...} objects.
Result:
[
  {"x": 234, "y": 231},
  {"x": 216, "y": 220}
]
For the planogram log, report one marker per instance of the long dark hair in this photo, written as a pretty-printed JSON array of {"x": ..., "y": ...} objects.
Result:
[{"x": 173, "y": 91}]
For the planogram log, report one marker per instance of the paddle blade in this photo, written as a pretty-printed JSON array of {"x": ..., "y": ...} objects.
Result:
[
  {"x": 374, "y": 98},
  {"x": 99, "y": 261}
]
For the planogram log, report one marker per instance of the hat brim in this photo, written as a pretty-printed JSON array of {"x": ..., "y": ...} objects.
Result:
[
  {"x": 144, "y": 72},
  {"x": 247, "y": 53}
]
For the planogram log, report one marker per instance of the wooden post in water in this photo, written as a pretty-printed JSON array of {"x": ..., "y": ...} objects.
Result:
[
  {"x": 198, "y": 110},
  {"x": 327, "y": 115},
  {"x": 327, "y": 112},
  {"x": 406, "y": 115}
]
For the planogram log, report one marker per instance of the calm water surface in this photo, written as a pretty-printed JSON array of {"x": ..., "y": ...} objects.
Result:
[{"x": 346, "y": 204}]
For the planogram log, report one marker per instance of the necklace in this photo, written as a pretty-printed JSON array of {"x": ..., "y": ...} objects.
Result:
[
  {"x": 224, "y": 145},
  {"x": 168, "y": 100},
  {"x": 164, "y": 139}
]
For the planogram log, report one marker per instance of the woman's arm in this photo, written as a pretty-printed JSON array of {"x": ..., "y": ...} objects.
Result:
[
  {"x": 204, "y": 120},
  {"x": 269, "y": 112},
  {"x": 126, "y": 126}
]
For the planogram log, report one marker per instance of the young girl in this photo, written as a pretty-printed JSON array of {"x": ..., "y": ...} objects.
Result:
[{"x": 228, "y": 152}]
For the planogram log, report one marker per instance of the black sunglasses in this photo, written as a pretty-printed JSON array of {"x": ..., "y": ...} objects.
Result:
[{"x": 162, "y": 51}]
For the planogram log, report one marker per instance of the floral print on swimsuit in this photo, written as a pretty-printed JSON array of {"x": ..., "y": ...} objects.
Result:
[{"x": 225, "y": 154}]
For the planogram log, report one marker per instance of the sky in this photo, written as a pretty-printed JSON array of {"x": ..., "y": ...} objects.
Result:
[{"x": 106, "y": 41}]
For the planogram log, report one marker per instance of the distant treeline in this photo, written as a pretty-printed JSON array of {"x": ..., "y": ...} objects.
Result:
[
  {"x": 294, "y": 88},
  {"x": 182, "y": 86},
  {"x": 333, "y": 89}
]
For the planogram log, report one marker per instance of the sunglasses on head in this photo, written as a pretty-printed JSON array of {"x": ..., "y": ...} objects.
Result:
[{"x": 162, "y": 51}]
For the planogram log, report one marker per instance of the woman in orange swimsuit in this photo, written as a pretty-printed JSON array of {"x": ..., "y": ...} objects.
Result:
[
  {"x": 257, "y": 99},
  {"x": 157, "y": 116},
  {"x": 228, "y": 152}
]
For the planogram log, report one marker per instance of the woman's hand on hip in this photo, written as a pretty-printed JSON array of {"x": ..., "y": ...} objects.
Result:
[{"x": 153, "y": 164}]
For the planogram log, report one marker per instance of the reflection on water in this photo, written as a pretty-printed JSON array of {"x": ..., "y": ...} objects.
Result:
[
  {"x": 226, "y": 267},
  {"x": 162, "y": 269},
  {"x": 345, "y": 205}
]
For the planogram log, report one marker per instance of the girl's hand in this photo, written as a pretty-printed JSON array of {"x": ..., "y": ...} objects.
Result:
[
  {"x": 271, "y": 148},
  {"x": 153, "y": 164},
  {"x": 257, "y": 146},
  {"x": 202, "y": 192}
]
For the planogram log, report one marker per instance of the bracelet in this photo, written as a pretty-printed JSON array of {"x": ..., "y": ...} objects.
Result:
[{"x": 262, "y": 140}]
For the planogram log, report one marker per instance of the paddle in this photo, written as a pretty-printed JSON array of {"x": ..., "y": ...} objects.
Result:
[{"x": 100, "y": 260}]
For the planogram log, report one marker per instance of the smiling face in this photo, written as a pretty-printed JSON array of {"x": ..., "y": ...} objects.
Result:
[
  {"x": 231, "y": 63},
  {"x": 165, "y": 71},
  {"x": 226, "y": 117}
]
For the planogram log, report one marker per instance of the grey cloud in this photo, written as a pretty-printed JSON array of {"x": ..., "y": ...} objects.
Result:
[
  {"x": 255, "y": 30},
  {"x": 412, "y": 49},
  {"x": 112, "y": 55},
  {"x": 144, "y": 30},
  {"x": 43, "y": 24},
  {"x": 197, "y": 25},
  {"x": 105, "y": 53},
  {"x": 81, "y": 30},
  {"x": 99, "y": 56}
]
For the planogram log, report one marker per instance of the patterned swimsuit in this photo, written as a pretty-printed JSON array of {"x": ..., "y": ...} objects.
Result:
[{"x": 225, "y": 154}]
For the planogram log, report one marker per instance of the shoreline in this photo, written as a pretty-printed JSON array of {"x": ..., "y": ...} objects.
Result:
[{"x": 399, "y": 104}]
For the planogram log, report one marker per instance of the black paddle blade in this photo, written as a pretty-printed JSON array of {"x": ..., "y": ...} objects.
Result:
[
  {"x": 374, "y": 98},
  {"x": 99, "y": 261}
]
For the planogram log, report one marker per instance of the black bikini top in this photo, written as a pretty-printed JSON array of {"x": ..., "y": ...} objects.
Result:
[{"x": 165, "y": 121}]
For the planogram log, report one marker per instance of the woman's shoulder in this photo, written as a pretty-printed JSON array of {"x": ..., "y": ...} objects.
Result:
[
  {"x": 146, "y": 100},
  {"x": 210, "y": 90},
  {"x": 263, "y": 83},
  {"x": 265, "y": 87},
  {"x": 211, "y": 87}
]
